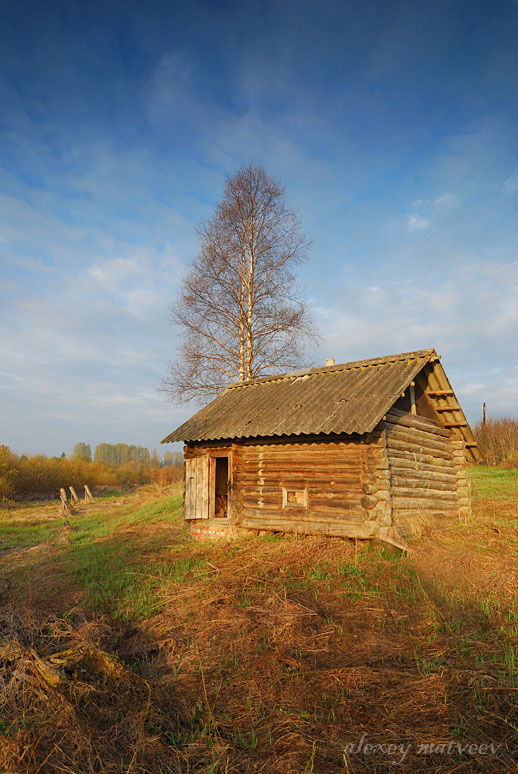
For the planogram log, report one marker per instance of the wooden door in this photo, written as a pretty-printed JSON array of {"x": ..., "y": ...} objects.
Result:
[{"x": 197, "y": 488}]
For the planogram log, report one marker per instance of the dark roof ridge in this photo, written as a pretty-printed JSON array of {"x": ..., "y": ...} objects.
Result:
[{"x": 373, "y": 361}]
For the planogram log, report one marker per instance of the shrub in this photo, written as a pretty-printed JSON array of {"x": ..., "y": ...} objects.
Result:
[
  {"x": 40, "y": 474},
  {"x": 21, "y": 476},
  {"x": 497, "y": 440},
  {"x": 172, "y": 474},
  {"x": 8, "y": 473},
  {"x": 133, "y": 474}
]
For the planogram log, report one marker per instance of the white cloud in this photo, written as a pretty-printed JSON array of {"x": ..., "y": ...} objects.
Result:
[
  {"x": 470, "y": 317},
  {"x": 111, "y": 273},
  {"x": 417, "y": 222},
  {"x": 101, "y": 250},
  {"x": 446, "y": 199}
]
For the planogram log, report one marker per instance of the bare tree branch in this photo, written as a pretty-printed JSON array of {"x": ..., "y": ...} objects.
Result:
[{"x": 237, "y": 311}]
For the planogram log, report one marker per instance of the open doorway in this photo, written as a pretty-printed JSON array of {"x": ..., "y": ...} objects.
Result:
[{"x": 221, "y": 488}]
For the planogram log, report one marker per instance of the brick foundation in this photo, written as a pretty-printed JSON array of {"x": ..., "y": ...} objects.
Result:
[{"x": 208, "y": 531}]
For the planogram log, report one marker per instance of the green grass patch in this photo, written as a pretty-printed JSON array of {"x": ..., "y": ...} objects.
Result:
[
  {"x": 493, "y": 483},
  {"x": 28, "y": 532},
  {"x": 116, "y": 559},
  {"x": 31, "y": 525},
  {"x": 115, "y": 554}
]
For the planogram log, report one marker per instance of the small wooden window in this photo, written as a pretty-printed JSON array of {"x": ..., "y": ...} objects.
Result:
[{"x": 294, "y": 498}]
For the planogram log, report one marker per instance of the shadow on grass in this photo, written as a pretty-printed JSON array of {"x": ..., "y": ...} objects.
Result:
[{"x": 263, "y": 655}]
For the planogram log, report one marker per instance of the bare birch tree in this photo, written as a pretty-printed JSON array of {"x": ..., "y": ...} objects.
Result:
[{"x": 238, "y": 311}]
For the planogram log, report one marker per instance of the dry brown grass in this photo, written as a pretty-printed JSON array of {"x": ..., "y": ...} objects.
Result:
[{"x": 266, "y": 655}]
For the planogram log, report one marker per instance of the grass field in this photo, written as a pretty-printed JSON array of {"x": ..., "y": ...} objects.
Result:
[{"x": 270, "y": 654}]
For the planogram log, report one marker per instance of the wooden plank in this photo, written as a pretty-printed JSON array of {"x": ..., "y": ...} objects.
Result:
[
  {"x": 337, "y": 469},
  {"x": 400, "y": 422},
  {"x": 190, "y": 488},
  {"x": 365, "y": 530},
  {"x": 420, "y": 492},
  {"x": 418, "y": 504},
  {"x": 446, "y": 473},
  {"x": 212, "y": 486},
  {"x": 415, "y": 420},
  {"x": 413, "y": 409},
  {"x": 333, "y": 506},
  {"x": 314, "y": 504},
  {"x": 348, "y": 460},
  {"x": 353, "y": 512},
  {"x": 434, "y": 458},
  {"x": 419, "y": 440},
  {"x": 416, "y": 448},
  {"x": 416, "y": 456},
  {"x": 202, "y": 451},
  {"x": 198, "y": 488},
  {"x": 326, "y": 492},
  {"x": 393, "y": 546},
  {"x": 418, "y": 432},
  {"x": 417, "y": 437},
  {"x": 203, "y": 473},
  {"x": 278, "y": 477},
  {"x": 196, "y": 501},
  {"x": 433, "y": 431},
  {"x": 409, "y": 465},
  {"x": 426, "y": 480},
  {"x": 297, "y": 447}
]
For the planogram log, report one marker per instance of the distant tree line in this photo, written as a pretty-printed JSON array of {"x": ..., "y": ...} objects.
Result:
[
  {"x": 114, "y": 465},
  {"x": 172, "y": 458},
  {"x": 82, "y": 451},
  {"x": 116, "y": 454}
]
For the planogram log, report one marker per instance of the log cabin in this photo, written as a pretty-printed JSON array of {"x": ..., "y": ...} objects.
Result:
[{"x": 370, "y": 449}]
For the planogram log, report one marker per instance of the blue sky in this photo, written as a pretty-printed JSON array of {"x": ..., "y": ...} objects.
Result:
[{"x": 392, "y": 126}]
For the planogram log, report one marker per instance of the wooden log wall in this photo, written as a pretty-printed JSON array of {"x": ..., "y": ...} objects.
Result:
[
  {"x": 408, "y": 466},
  {"x": 463, "y": 483},
  {"x": 377, "y": 482},
  {"x": 424, "y": 477},
  {"x": 339, "y": 480}
]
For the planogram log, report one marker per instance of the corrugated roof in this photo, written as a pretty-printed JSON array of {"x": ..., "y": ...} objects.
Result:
[{"x": 344, "y": 398}]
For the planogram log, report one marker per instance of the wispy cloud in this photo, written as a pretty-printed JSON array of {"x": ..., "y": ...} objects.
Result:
[
  {"x": 511, "y": 184},
  {"x": 470, "y": 317},
  {"x": 118, "y": 130},
  {"x": 417, "y": 222},
  {"x": 446, "y": 200}
]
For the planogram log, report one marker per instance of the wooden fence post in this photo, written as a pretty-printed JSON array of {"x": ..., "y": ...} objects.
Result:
[
  {"x": 64, "y": 503},
  {"x": 73, "y": 493},
  {"x": 88, "y": 494}
]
